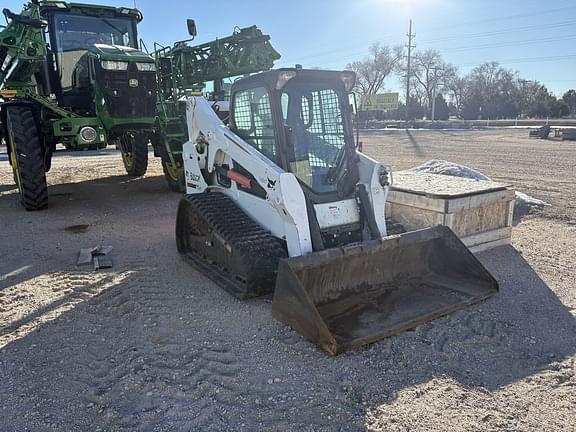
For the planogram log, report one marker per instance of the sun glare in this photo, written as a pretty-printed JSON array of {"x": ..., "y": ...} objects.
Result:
[{"x": 402, "y": 6}]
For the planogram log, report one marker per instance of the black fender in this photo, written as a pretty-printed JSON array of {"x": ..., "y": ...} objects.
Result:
[{"x": 157, "y": 142}]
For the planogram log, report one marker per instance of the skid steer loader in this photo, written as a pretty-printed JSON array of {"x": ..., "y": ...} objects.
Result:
[{"x": 280, "y": 201}]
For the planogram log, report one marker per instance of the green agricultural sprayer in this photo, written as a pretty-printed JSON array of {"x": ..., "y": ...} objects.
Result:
[{"x": 75, "y": 74}]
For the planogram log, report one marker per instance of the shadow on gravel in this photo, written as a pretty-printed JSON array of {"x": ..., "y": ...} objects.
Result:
[
  {"x": 150, "y": 353},
  {"x": 507, "y": 338},
  {"x": 414, "y": 145},
  {"x": 110, "y": 150},
  {"x": 70, "y": 206},
  {"x": 8, "y": 187},
  {"x": 108, "y": 191}
]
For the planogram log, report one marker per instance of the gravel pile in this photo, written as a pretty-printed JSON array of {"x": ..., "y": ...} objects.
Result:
[{"x": 524, "y": 203}]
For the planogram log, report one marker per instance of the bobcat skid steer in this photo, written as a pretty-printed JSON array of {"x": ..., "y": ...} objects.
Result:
[{"x": 280, "y": 201}]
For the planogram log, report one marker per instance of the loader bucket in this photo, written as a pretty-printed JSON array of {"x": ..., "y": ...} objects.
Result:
[{"x": 346, "y": 297}]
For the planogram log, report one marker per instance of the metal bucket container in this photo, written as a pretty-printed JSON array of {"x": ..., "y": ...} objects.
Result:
[{"x": 346, "y": 297}]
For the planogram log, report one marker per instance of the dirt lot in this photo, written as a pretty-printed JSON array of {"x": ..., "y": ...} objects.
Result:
[{"x": 151, "y": 345}]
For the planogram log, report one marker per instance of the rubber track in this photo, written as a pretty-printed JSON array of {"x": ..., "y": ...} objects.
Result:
[
  {"x": 258, "y": 250},
  {"x": 34, "y": 192}
]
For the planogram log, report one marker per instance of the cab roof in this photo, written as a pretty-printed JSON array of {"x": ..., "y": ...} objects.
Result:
[
  {"x": 56, "y": 5},
  {"x": 273, "y": 77}
]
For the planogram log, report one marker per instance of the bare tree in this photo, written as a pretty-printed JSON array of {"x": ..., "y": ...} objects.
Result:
[
  {"x": 417, "y": 93},
  {"x": 431, "y": 73},
  {"x": 457, "y": 91},
  {"x": 493, "y": 92},
  {"x": 373, "y": 70},
  {"x": 570, "y": 98}
]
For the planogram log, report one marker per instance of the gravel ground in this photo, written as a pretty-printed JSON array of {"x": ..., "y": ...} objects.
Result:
[
  {"x": 151, "y": 345},
  {"x": 545, "y": 169}
]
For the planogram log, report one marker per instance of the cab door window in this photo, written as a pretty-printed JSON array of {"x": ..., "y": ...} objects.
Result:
[{"x": 253, "y": 121}]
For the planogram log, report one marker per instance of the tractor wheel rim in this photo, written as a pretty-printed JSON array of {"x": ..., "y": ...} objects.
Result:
[
  {"x": 127, "y": 150},
  {"x": 13, "y": 157},
  {"x": 172, "y": 171},
  {"x": 128, "y": 158}
]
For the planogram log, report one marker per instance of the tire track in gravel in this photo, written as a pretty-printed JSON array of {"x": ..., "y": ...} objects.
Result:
[
  {"x": 168, "y": 375},
  {"x": 26, "y": 306},
  {"x": 172, "y": 373},
  {"x": 168, "y": 384}
]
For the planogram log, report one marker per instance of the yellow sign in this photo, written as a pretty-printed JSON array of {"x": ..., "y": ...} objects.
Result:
[{"x": 380, "y": 102}]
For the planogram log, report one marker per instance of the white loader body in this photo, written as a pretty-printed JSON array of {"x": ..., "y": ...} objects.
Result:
[
  {"x": 283, "y": 212},
  {"x": 313, "y": 234}
]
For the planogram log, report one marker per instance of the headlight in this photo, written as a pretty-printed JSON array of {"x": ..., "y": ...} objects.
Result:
[
  {"x": 383, "y": 176},
  {"x": 114, "y": 65},
  {"x": 88, "y": 134},
  {"x": 148, "y": 67}
]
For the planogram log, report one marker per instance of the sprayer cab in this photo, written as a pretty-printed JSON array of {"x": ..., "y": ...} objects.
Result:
[{"x": 101, "y": 71}]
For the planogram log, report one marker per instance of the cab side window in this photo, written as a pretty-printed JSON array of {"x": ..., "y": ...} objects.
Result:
[{"x": 253, "y": 120}]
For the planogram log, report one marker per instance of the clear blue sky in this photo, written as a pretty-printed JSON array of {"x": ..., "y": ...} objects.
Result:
[{"x": 535, "y": 37}]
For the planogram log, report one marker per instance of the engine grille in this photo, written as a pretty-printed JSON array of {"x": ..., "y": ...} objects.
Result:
[{"x": 124, "y": 100}]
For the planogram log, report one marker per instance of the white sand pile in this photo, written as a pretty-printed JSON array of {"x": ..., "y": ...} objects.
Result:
[
  {"x": 524, "y": 203},
  {"x": 437, "y": 166},
  {"x": 528, "y": 200}
]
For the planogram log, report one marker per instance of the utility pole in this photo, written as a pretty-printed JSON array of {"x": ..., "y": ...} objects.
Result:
[
  {"x": 434, "y": 102},
  {"x": 408, "y": 71}
]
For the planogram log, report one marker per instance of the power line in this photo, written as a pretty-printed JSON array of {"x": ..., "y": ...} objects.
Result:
[
  {"x": 528, "y": 60},
  {"x": 508, "y": 17},
  {"x": 354, "y": 54},
  {"x": 467, "y": 23},
  {"x": 509, "y": 44},
  {"x": 460, "y": 37},
  {"x": 501, "y": 32},
  {"x": 478, "y": 47}
]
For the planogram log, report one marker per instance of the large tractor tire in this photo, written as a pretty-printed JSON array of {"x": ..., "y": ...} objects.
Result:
[
  {"x": 134, "y": 147},
  {"x": 27, "y": 157},
  {"x": 174, "y": 175}
]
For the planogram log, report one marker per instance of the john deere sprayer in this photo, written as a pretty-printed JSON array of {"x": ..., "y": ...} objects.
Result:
[
  {"x": 184, "y": 70},
  {"x": 73, "y": 74}
]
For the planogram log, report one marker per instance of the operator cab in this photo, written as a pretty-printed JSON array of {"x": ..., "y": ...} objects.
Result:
[
  {"x": 74, "y": 31},
  {"x": 301, "y": 120},
  {"x": 86, "y": 42}
]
